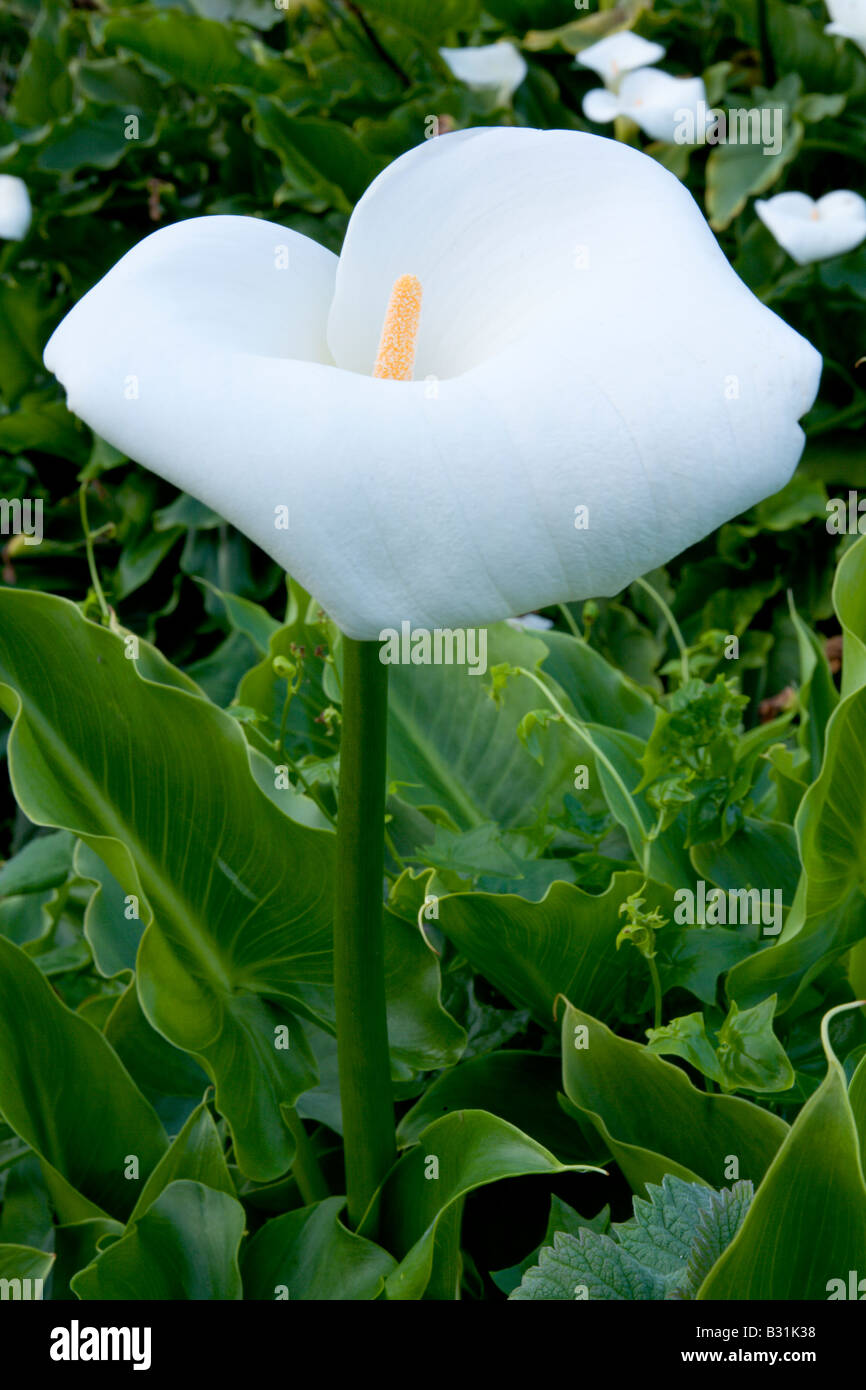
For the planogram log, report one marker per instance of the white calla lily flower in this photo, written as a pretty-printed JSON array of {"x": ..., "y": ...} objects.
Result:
[
  {"x": 813, "y": 231},
  {"x": 495, "y": 67},
  {"x": 15, "y": 210},
  {"x": 654, "y": 100},
  {"x": 612, "y": 58},
  {"x": 848, "y": 20},
  {"x": 535, "y": 622},
  {"x": 588, "y": 402}
]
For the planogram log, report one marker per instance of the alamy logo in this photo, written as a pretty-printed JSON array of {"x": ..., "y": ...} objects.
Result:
[
  {"x": 76, "y": 1343},
  {"x": 737, "y": 907},
  {"x": 26, "y": 1289},
  {"x": 19, "y": 518},
  {"x": 441, "y": 646},
  {"x": 855, "y": 1288}
]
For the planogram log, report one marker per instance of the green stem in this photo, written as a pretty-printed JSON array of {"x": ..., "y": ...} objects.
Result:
[
  {"x": 672, "y": 624},
  {"x": 657, "y": 992},
  {"x": 569, "y": 618},
  {"x": 359, "y": 951},
  {"x": 305, "y": 1169},
  {"x": 768, "y": 65},
  {"x": 91, "y": 558}
]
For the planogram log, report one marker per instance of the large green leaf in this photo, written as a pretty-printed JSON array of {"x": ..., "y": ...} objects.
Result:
[
  {"x": 829, "y": 912},
  {"x": 428, "y": 21},
  {"x": 453, "y": 1156},
  {"x": 59, "y": 1081},
  {"x": 185, "y": 1246},
  {"x": 566, "y": 944},
  {"x": 654, "y": 1120},
  {"x": 22, "y": 1262},
  {"x": 599, "y": 692},
  {"x": 849, "y": 599},
  {"x": 200, "y": 53},
  {"x": 449, "y": 744},
  {"x": 807, "y": 1223},
  {"x": 235, "y": 896},
  {"x": 309, "y": 1255}
]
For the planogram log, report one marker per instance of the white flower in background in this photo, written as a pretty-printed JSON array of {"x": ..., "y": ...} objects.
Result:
[
  {"x": 619, "y": 54},
  {"x": 15, "y": 212},
  {"x": 496, "y": 67},
  {"x": 534, "y": 621},
  {"x": 581, "y": 432},
  {"x": 813, "y": 231},
  {"x": 654, "y": 100},
  {"x": 848, "y": 20}
]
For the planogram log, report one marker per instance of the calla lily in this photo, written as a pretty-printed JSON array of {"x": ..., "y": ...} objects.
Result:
[
  {"x": 15, "y": 211},
  {"x": 848, "y": 20},
  {"x": 535, "y": 622},
  {"x": 654, "y": 100},
  {"x": 619, "y": 54},
  {"x": 588, "y": 401},
  {"x": 813, "y": 231},
  {"x": 494, "y": 67}
]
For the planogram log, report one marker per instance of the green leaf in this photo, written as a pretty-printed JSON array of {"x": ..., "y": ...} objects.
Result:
[
  {"x": 716, "y": 1229},
  {"x": 43, "y": 863},
  {"x": 185, "y": 1246},
  {"x": 205, "y": 856},
  {"x": 59, "y": 1081},
  {"x": 751, "y": 1056},
  {"x": 429, "y": 21},
  {"x": 849, "y": 600},
  {"x": 322, "y": 157},
  {"x": 829, "y": 913},
  {"x": 44, "y": 90},
  {"x": 565, "y": 944},
  {"x": 21, "y": 1262},
  {"x": 737, "y": 171},
  {"x": 195, "y": 1155},
  {"x": 199, "y": 53},
  {"x": 818, "y": 694},
  {"x": 26, "y": 1217},
  {"x": 459, "y": 1152},
  {"x": 448, "y": 743},
  {"x": 171, "y": 1079},
  {"x": 111, "y": 923},
  {"x": 246, "y": 617},
  {"x": 651, "y": 1256},
  {"x": 686, "y": 1037},
  {"x": 599, "y": 693},
  {"x": 654, "y": 1120},
  {"x": 807, "y": 1223},
  {"x": 309, "y": 1255}
]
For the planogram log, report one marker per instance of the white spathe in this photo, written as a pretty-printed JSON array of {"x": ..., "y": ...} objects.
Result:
[
  {"x": 848, "y": 20},
  {"x": 535, "y": 622},
  {"x": 494, "y": 67},
  {"x": 572, "y": 423},
  {"x": 619, "y": 54},
  {"x": 15, "y": 210},
  {"x": 813, "y": 231},
  {"x": 654, "y": 100}
]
